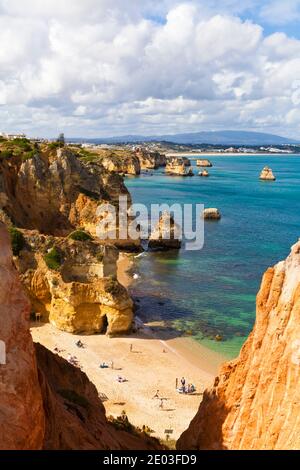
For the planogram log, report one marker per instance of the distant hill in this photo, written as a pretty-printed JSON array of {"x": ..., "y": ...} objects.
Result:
[{"x": 197, "y": 138}]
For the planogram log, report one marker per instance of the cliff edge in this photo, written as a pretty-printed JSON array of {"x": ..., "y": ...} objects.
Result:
[
  {"x": 45, "y": 402},
  {"x": 255, "y": 400}
]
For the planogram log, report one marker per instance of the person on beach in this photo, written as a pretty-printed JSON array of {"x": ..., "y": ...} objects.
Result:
[
  {"x": 156, "y": 395},
  {"x": 161, "y": 405},
  {"x": 176, "y": 386},
  {"x": 183, "y": 382},
  {"x": 131, "y": 347}
]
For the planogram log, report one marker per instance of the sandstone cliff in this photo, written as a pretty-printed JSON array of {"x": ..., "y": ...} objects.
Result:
[
  {"x": 166, "y": 235},
  {"x": 122, "y": 161},
  {"x": 22, "y": 421},
  {"x": 77, "y": 288},
  {"x": 150, "y": 160},
  {"x": 49, "y": 193},
  {"x": 255, "y": 401},
  {"x": 56, "y": 191},
  {"x": 45, "y": 402},
  {"x": 178, "y": 167}
]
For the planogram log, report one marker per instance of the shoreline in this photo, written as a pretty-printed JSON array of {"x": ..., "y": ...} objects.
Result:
[
  {"x": 148, "y": 364},
  {"x": 149, "y": 360},
  {"x": 223, "y": 154}
]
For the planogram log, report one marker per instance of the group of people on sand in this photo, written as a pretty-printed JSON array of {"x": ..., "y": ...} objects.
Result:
[{"x": 190, "y": 388}]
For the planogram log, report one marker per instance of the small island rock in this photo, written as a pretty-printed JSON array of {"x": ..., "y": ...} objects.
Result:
[
  {"x": 211, "y": 214},
  {"x": 267, "y": 174}
]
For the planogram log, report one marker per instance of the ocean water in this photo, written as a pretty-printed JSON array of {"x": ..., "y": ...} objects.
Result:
[{"x": 212, "y": 291}]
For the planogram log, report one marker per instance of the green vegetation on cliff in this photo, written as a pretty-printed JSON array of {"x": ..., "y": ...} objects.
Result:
[
  {"x": 17, "y": 240},
  {"x": 53, "y": 259}
]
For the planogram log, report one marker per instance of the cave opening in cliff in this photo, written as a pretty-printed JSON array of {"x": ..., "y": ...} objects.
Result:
[{"x": 104, "y": 325}]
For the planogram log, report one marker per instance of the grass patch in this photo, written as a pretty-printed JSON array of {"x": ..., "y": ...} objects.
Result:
[
  {"x": 23, "y": 144},
  {"x": 5, "y": 154},
  {"x": 80, "y": 236},
  {"x": 56, "y": 145},
  {"x": 17, "y": 240},
  {"x": 53, "y": 259}
]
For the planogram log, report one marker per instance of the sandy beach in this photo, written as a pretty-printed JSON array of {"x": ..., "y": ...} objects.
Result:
[{"x": 149, "y": 362}]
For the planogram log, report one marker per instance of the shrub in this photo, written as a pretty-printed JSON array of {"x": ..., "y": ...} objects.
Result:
[
  {"x": 17, "y": 241},
  {"x": 6, "y": 154},
  {"x": 28, "y": 155},
  {"x": 24, "y": 144},
  {"x": 56, "y": 145},
  {"x": 80, "y": 235},
  {"x": 53, "y": 259}
]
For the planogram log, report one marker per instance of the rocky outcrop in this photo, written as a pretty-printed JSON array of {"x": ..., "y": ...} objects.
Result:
[
  {"x": 267, "y": 174},
  {"x": 166, "y": 235},
  {"x": 204, "y": 173},
  {"x": 203, "y": 162},
  {"x": 73, "y": 284},
  {"x": 254, "y": 403},
  {"x": 177, "y": 167},
  {"x": 45, "y": 402},
  {"x": 124, "y": 163},
  {"x": 56, "y": 191},
  {"x": 22, "y": 423},
  {"x": 211, "y": 213},
  {"x": 150, "y": 160}
]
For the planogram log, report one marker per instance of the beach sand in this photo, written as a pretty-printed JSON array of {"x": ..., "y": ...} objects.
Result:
[{"x": 154, "y": 363}]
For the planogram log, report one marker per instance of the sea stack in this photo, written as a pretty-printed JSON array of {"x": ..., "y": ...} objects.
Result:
[
  {"x": 166, "y": 235},
  {"x": 204, "y": 173},
  {"x": 267, "y": 174},
  {"x": 211, "y": 213},
  {"x": 205, "y": 163},
  {"x": 178, "y": 167}
]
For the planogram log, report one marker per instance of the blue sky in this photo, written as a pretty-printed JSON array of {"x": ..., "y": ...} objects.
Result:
[{"x": 113, "y": 67}]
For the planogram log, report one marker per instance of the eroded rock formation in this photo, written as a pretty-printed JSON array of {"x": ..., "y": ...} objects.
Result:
[
  {"x": 166, "y": 235},
  {"x": 50, "y": 194},
  {"x": 255, "y": 401},
  {"x": 211, "y": 213},
  {"x": 45, "y": 402},
  {"x": 267, "y": 174},
  {"x": 204, "y": 173},
  {"x": 203, "y": 162},
  {"x": 77, "y": 289},
  {"x": 150, "y": 160},
  {"x": 178, "y": 167},
  {"x": 124, "y": 163}
]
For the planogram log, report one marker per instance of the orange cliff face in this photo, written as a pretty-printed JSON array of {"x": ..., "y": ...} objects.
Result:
[
  {"x": 255, "y": 401},
  {"x": 45, "y": 402},
  {"x": 22, "y": 419}
]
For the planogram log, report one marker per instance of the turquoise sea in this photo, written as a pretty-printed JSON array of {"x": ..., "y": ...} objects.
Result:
[{"x": 212, "y": 291}]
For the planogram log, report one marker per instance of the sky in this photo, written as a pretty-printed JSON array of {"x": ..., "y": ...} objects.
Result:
[{"x": 99, "y": 68}]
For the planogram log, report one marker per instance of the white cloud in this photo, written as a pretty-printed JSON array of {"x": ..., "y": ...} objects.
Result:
[
  {"x": 280, "y": 12},
  {"x": 99, "y": 67}
]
